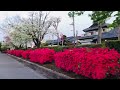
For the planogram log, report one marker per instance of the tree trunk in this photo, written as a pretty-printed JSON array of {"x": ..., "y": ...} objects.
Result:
[
  {"x": 36, "y": 42},
  {"x": 26, "y": 44},
  {"x": 58, "y": 40},
  {"x": 62, "y": 42},
  {"x": 99, "y": 34},
  {"x": 38, "y": 45}
]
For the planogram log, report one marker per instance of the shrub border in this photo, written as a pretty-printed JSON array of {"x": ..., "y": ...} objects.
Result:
[{"x": 50, "y": 74}]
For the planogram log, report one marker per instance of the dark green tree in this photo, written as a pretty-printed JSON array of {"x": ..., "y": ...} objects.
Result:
[{"x": 100, "y": 18}]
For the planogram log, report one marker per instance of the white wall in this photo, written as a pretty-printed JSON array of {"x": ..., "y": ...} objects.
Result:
[{"x": 86, "y": 41}]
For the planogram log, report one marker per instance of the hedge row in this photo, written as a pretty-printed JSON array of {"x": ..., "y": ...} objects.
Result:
[
  {"x": 93, "y": 63},
  {"x": 113, "y": 44},
  {"x": 110, "y": 44},
  {"x": 61, "y": 48}
]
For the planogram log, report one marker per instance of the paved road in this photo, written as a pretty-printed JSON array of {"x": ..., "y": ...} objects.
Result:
[{"x": 12, "y": 69}]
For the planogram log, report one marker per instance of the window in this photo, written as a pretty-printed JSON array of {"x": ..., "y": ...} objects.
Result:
[
  {"x": 103, "y": 30},
  {"x": 91, "y": 33}
]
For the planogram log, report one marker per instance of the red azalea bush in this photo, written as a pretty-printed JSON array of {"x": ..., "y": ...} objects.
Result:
[
  {"x": 12, "y": 52},
  {"x": 17, "y": 53},
  {"x": 26, "y": 54},
  {"x": 38, "y": 55},
  {"x": 94, "y": 63},
  {"x": 42, "y": 55}
]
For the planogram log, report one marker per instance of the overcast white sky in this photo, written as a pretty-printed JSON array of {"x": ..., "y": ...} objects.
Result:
[{"x": 81, "y": 22}]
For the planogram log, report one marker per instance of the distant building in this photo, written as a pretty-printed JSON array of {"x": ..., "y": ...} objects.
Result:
[
  {"x": 111, "y": 35},
  {"x": 52, "y": 42},
  {"x": 91, "y": 35}
]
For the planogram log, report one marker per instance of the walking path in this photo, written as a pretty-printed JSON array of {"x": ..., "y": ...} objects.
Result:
[{"x": 12, "y": 69}]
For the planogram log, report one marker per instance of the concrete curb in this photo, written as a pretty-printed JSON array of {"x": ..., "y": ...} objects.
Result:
[{"x": 50, "y": 74}]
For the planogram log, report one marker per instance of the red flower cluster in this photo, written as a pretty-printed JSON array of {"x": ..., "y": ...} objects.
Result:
[
  {"x": 17, "y": 53},
  {"x": 26, "y": 54},
  {"x": 42, "y": 55},
  {"x": 39, "y": 55},
  {"x": 94, "y": 63}
]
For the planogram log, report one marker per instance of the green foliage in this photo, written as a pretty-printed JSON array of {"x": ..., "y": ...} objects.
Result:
[
  {"x": 4, "y": 48},
  {"x": 90, "y": 45},
  {"x": 113, "y": 44},
  {"x": 57, "y": 48},
  {"x": 61, "y": 48},
  {"x": 116, "y": 22},
  {"x": 73, "y": 13},
  {"x": 100, "y": 16},
  {"x": 44, "y": 44}
]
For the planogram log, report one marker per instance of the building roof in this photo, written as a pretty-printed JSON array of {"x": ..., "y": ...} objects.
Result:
[
  {"x": 95, "y": 27},
  {"x": 111, "y": 34},
  {"x": 106, "y": 35},
  {"x": 87, "y": 37},
  {"x": 71, "y": 39},
  {"x": 51, "y": 41}
]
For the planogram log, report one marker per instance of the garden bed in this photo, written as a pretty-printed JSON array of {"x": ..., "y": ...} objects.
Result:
[
  {"x": 91, "y": 63},
  {"x": 50, "y": 66},
  {"x": 60, "y": 74},
  {"x": 70, "y": 74}
]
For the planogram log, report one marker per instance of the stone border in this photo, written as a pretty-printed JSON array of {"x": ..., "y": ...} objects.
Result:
[{"x": 50, "y": 74}]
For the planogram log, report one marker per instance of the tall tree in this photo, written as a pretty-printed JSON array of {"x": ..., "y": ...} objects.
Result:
[
  {"x": 40, "y": 26},
  {"x": 72, "y": 15},
  {"x": 100, "y": 17},
  {"x": 36, "y": 25}
]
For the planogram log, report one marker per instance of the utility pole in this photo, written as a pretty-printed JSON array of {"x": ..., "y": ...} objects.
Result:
[
  {"x": 74, "y": 26},
  {"x": 76, "y": 36}
]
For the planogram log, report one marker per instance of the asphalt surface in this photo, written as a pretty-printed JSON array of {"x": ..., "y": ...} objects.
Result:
[{"x": 12, "y": 69}]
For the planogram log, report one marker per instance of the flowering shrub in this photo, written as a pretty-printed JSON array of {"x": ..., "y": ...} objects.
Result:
[
  {"x": 33, "y": 56},
  {"x": 26, "y": 54},
  {"x": 42, "y": 55},
  {"x": 38, "y": 55},
  {"x": 17, "y": 53},
  {"x": 94, "y": 63}
]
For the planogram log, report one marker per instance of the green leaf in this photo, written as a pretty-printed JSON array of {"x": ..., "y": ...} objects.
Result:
[
  {"x": 100, "y": 16},
  {"x": 73, "y": 13}
]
